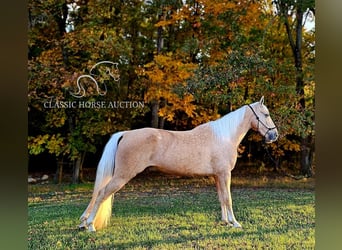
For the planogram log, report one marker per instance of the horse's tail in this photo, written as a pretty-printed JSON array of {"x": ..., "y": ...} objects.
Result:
[{"x": 104, "y": 173}]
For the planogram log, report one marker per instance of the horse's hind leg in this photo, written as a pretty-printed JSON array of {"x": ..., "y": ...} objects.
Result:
[
  {"x": 86, "y": 213},
  {"x": 112, "y": 187}
]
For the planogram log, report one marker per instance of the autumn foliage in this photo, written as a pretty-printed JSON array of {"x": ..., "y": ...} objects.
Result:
[{"x": 188, "y": 62}]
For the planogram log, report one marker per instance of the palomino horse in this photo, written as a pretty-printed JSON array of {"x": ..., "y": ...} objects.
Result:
[{"x": 207, "y": 150}]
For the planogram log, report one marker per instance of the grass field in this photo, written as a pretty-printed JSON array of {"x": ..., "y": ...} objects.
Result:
[{"x": 177, "y": 213}]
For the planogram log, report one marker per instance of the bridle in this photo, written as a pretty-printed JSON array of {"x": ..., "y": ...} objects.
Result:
[{"x": 259, "y": 121}]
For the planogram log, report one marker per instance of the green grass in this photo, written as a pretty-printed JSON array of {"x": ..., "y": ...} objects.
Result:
[{"x": 177, "y": 213}]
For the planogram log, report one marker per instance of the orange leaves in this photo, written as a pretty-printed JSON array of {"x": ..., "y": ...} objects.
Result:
[
  {"x": 252, "y": 17},
  {"x": 291, "y": 145},
  {"x": 204, "y": 115},
  {"x": 189, "y": 108},
  {"x": 51, "y": 58},
  {"x": 190, "y": 13},
  {"x": 283, "y": 146},
  {"x": 164, "y": 23},
  {"x": 217, "y": 7},
  {"x": 255, "y": 137},
  {"x": 163, "y": 74},
  {"x": 177, "y": 103}
]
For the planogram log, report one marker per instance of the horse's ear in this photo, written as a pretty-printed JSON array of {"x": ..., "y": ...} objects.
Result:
[{"x": 262, "y": 100}]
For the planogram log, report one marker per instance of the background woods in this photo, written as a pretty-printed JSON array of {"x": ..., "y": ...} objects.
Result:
[{"x": 188, "y": 62}]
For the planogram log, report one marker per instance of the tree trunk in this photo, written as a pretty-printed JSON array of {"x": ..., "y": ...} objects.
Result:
[
  {"x": 155, "y": 103},
  {"x": 161, "y": 122},
  {"x": 306, "y": 156},
  {"x": 59, "y": 171},
  {"x": 81, "y": 168},
  {"x": 160, "y": 40},
  {"x": 77, "y": 173},
  {"x": 155, "y": 119}
]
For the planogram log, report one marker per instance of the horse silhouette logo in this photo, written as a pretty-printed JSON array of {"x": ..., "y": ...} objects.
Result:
[{"x": 101, "y": 72}]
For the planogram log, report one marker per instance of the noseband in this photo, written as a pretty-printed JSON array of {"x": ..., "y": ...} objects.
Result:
[{"x": 259, "y": 121}]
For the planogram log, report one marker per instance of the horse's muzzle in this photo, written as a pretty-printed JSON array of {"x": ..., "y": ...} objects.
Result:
[{"x": 271, "y": 136}]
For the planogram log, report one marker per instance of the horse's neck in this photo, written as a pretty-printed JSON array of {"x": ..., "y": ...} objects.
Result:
[{"x": 232, "y": 127}]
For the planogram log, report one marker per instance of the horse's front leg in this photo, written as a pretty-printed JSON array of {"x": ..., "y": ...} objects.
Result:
[
  {"x": 219, "y": 188},
  {"x": 223, "y": 189},
  {"x": 231, "y": 216}
]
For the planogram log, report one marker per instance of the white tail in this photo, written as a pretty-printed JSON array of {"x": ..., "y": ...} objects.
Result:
[{"x": 104, "y": 173}]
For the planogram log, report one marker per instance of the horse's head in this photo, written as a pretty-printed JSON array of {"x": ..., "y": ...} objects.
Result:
[{"x": 262, "y": 121}]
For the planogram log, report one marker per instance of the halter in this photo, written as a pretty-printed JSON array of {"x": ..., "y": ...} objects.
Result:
[{"x": 259, "y": 121}]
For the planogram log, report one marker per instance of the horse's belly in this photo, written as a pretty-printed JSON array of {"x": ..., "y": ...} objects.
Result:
[
  {"x": 185, "y": 164},
  {"x": 184, "y": 153}
]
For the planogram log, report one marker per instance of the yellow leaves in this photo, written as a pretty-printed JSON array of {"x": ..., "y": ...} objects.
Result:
[
  {"x": 39, "y": 140},
  {"x": 252, "y": 17},
  {"x": 56, "y": 118},
  {"x": 163, "y": 23},
  {"x": 164, "y": 73},
  {"x": 204, "y": 115},
  {"x": 166, "y": 113},
  {"x": 282, "y": 146},
  {"x": 52, "y": 143},
  {"x": 216, "y": 8},
  {"x": 309, "y": 89},
  {"x": 55, "y": 144},
  {"x": 189, "y": 108},
  {"x": 277, "y": 151},
  {"x": 178, "y": 104},
  {"x": 165, "y": 76},
  {"x": 205, "y": 7},
  {"x": 51, "y": 58}
]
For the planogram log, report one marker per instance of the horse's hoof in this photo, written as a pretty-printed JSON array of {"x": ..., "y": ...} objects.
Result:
[
  {"x": 237, "y": 225},
  {"x": 91, "y": 228},
  {"x": 82, "y": 227}
]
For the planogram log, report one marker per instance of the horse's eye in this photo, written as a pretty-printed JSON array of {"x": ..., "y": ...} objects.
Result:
[{"x": 267, "y": 115}]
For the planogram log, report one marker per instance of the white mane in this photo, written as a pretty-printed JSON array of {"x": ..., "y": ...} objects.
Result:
[{"x": 227, "y": 126}]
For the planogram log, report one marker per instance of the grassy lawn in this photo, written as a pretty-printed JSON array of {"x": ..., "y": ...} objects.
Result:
[{"x": 177, "y": 213}]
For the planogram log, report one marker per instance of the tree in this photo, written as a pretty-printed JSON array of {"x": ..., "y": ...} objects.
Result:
[
  {"x": 58, "y": 55},
  {"x": 202, "y": 33},
  {"x": 292, "y": 15},
  {"x": 163, "y": 74},
  {"x": 189, "y": 61}
]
